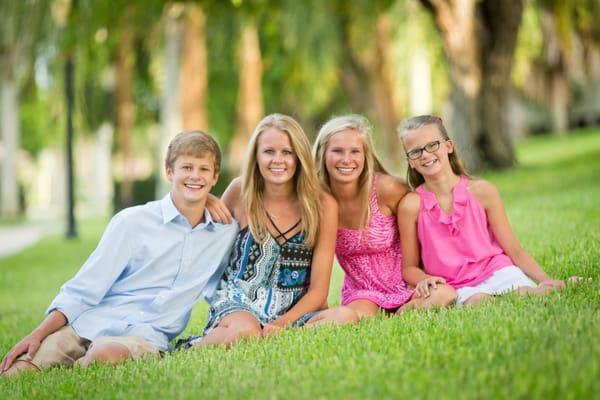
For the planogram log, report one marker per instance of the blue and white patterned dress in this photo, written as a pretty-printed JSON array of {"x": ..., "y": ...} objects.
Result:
[{"x": 264, "y": 279}]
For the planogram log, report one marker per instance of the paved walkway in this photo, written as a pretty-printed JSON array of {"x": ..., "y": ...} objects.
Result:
[{"x": 18, "y": 237}]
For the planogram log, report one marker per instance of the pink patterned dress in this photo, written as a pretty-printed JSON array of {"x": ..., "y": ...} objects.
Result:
[{"x": 372, "y": 260}]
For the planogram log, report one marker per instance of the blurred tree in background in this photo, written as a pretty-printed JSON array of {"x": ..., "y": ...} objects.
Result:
[
  {"x": 558, "y": 63},
  {"x": 22, "y": 25},
  {"x": 495, "y": 70}
]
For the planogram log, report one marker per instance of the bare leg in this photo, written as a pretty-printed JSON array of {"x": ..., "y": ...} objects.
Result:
[
  {"x": 536, "y": 291},
  {"x": 364, "y": 308},
  {"x": 477, "y": 298},
  {"x": 523, "y": 290},
  {"x": 441, "y": 296},
  {"x": 338, "y": 315},
  {"x": 232, "y": 328},
  {"x": 110, "y": 353}
]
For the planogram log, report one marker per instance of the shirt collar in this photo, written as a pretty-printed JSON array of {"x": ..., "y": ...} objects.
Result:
[
  {"x": 208, "y": 221},
  {"x": 170, "y": 212}
]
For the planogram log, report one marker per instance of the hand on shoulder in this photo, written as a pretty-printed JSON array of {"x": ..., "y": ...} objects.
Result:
[{"x": 232, "y": 197}]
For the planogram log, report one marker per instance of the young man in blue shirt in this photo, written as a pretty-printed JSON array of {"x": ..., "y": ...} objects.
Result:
[{"x": 136, "y": 291}]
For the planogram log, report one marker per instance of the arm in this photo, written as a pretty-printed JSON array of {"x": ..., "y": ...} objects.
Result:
[
  {"x": 407, "y": 215},
  {"x": 489, "y": 198},
  {"x": 31, "y": 343},
  {"x": 232, "y": 199},
  {"x": 218, "y": 210},
  {"x": 224, "y": 209},
  {"x": 87, "y": 289},
  {"x": 322, "y": 262}
]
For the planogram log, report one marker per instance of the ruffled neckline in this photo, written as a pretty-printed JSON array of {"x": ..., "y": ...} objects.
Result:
[{"x": 459, "y": 203}]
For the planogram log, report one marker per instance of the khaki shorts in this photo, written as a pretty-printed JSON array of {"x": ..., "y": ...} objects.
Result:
[{"x": 64, "y": 347}]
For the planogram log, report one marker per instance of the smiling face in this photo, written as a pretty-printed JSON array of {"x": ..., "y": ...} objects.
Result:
[
  {"x": 191, "y": 179},
  {"x": 345, "y": 156},
  {"x": 275, "y": 156},
  {"x": 428, "y": 163}
]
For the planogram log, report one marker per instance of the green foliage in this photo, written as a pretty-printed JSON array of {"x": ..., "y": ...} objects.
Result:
[
  {"x": 414, "y": 30},
  {"x": 512, "y": 347},
  {"x": 529, "y": 44},
  {"x": 22, "y": 23},
  {"x": 143, "y": 191},
  {"x": 222, "y": 32},
  {"x": 309, "y": 54},
  {"x": 38, "y": 125}
]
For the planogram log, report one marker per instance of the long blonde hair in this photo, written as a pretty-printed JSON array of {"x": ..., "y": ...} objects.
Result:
[
  {"x": 305, "y": 180},
  {"x": 372, "y": 164},
  {"x": 413, "y": 177}
]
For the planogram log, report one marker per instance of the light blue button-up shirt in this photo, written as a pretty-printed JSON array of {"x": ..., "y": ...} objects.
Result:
[{"x": 146, "y": 274}]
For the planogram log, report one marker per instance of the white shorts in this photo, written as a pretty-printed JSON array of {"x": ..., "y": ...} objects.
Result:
[{"x": 502, "y": 281}]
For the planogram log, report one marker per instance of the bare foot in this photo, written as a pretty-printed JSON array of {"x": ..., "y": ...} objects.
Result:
[{"x": 575, "y": 280}]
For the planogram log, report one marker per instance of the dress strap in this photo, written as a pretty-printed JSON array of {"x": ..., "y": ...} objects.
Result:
[{"x": 282, "y": 234}]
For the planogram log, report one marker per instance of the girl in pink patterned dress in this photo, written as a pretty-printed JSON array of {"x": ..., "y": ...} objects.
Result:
[
  {"x": 457, "y": 225},
  {"x": 368, "y": 243}
]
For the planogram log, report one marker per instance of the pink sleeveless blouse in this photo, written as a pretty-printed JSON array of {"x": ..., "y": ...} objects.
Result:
[
  {"x": 372, "y": 260},
  {"x": 459, "y": 247}
]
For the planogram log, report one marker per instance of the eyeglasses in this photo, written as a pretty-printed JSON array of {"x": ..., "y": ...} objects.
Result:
[{"x": 429, "y": 147}]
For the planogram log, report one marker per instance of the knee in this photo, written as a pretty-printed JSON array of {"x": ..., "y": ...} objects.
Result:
[
  {"x": 345, "y": 315},
  {"x": 104, "y": 354},
  {"x": 338, "y": 315},
  {"x": 443, "y": 296},
  {"x": 64, "y": 340},
  {"x": 249, "y": 331},
  {"x": 18, "y": 367},
  {"x": 476, "y": 299}
]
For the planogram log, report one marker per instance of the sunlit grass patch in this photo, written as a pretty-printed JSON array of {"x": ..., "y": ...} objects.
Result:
[{"x": 510, "y": 347}]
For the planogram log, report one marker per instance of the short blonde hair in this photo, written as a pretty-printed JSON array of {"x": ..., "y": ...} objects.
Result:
[
  {"x": 363, "y": 127},
  {"x": 193, "y": 143},
  {"x": 306, "y": 181}
]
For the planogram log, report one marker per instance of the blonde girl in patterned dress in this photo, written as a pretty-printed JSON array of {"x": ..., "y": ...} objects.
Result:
[
  {"x": 279, "y": 270},
  {"x": 368, "y": 242}
]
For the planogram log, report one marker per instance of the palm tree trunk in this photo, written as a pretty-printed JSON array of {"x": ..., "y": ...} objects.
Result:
[
  {"x": 382, "y": 92},
  {"x": 194, "y": 72},
  {"x": 250, "y": 108},
  {"x": 125, "y": 112},
  {"x": 171, "y": 103},
  {"x": 9, "y": 127}
]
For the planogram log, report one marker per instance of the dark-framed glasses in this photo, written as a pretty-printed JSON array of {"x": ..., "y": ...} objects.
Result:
[{"x": 429, "y": 147}]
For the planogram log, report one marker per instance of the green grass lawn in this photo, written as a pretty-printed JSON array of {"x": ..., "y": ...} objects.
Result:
[{"x": 513, "y": 347}]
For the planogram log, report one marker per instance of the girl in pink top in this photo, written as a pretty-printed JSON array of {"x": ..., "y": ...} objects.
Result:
[
  {"x": 457, "y": 225},
  {"x": 368, "y": 243}
]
